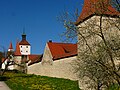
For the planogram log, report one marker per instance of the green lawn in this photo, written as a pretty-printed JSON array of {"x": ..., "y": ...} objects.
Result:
[{"x": 19, "y": 81}]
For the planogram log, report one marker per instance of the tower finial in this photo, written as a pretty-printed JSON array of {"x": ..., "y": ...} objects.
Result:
[
  {"x": 23, "y": 35},
  {"x": 24, "y": 30}
]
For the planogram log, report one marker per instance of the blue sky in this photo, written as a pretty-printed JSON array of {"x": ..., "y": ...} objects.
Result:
[{"x": 37, "y": 16}]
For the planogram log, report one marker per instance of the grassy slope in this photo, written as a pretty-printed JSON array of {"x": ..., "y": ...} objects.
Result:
[{"x": 19, "y": 81}]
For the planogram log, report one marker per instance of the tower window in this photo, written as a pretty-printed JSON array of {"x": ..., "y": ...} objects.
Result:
[
  {"x": 21, "y": 51},
  {"x": 26, "y": 46},
  {"x": 21, "y": 46},
  {"x": 26, "y": 51}
]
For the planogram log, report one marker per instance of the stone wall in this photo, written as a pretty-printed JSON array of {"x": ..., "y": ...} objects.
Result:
[
  {"x": 90, "y": 29},
  {"x": 60, "y": 68}
]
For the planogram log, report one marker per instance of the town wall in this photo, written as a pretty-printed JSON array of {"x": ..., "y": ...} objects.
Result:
[{"x": 61, "y": 68}]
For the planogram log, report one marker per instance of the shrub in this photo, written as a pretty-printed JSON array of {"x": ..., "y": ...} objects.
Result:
[{"x": 114, "y": 87}]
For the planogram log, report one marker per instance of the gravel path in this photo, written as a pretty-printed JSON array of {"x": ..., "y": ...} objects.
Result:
[{"x": 3, "y": 86}]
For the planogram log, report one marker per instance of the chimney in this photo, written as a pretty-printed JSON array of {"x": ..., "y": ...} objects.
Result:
[{"x": 50, "y": 41}]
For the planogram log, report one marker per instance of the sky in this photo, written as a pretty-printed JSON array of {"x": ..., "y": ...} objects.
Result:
[{"x": 38, "y": 17}]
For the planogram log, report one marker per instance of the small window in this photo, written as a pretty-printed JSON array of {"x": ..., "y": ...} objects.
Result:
[
  {"x": 21, "y": 51},
  {"x": 21, "y": 46},
  {"x": 26, "y": 51},
  {"x": 26, "y": 46}
]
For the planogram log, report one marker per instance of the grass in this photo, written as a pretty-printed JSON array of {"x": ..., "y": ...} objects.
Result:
[
  {"x": 19, "y": 81},
  {"x": 114, "y": 87}
]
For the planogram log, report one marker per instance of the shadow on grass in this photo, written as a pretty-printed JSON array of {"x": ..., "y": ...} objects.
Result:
[
  {"x": 4, "y": 78},
  {"x": 24, "y": 76},
  {"x": 14, "y": 73}
]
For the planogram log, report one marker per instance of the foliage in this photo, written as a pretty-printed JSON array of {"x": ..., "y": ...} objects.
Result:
[
  {"x": 67, "y": 19},
  {"x": 19, "y": 81},
  {"x": 116, "y": 4},
  {"x": 98, "y": 66},
  {"x": 114, "y": 87}
]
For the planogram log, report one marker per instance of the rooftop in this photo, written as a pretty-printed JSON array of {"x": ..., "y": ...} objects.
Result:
[
  {"x": 62, "y": 50},
  {"x": 96, "y": 7}
]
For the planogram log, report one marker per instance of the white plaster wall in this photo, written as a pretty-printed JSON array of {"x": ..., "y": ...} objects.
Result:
[
  {"x": 11, "y": 67},
  {"x": 25, "y": 49},
  {"x": 60, "y": 68},
  {"x": 3, "y": 65},
  {"x": 10, "y": 50}
]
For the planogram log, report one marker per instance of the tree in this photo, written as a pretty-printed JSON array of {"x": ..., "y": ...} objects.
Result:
[
  {"x": 3, "y": 54},
  {"x": 67, "y": 19},
  {"x": 116, "y": 4},
  {"x": 98, "y": 44}
]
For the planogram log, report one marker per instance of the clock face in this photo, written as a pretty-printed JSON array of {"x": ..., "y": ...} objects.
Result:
[{"x": 25, "y": 49}]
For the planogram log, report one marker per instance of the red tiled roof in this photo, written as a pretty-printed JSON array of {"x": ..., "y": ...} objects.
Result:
[
  {"x": 17, "y": 51},
  {"x": 62, "y": 50},
  {"x": 24, "y": 42},
  {"x": 96, "y": 7},
  {"x": 10, "y": 47},
  {"x": 34, "y": 59}
]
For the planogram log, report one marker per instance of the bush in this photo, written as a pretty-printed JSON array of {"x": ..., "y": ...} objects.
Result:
[{"x": 114, "y": 87}]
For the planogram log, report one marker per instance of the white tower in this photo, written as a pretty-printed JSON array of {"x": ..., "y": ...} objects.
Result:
[{"x": 24, "y": 45}]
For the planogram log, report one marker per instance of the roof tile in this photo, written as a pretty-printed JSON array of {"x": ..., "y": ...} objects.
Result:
[
  {"x": 96, "y": 7},
  {"x": 35, "y": 59},
  {"x": 62, "y": 50},
  {"x": 24, "y": 42},
  {"x": 17, "y": 51},
  {"x": 10, "y": 47}
]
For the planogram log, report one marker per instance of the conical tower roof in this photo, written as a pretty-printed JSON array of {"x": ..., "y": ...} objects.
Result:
[
  {"x": 10, "y": 46},
  {"x": 96, "y": 7},
  {"x": 17, "y": 50}
]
